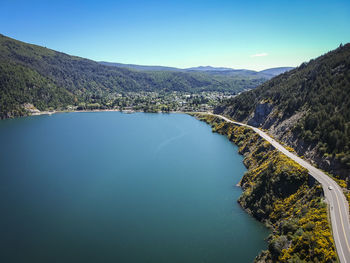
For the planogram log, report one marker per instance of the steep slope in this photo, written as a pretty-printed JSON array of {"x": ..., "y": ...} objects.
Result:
[
  {"x": 47, "y": 78},
  {"x": 20, "y": 84},
  {"x": 308, "y": 108}
]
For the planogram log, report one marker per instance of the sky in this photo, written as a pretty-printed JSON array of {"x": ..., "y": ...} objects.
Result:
[{"x": 237, "y": 34}]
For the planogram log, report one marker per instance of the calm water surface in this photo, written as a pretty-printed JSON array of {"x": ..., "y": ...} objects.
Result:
[{"x": 113, "y": 187}]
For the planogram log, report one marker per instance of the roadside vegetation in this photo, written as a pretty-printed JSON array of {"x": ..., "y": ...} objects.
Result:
[{"x": 278, "y": 192}]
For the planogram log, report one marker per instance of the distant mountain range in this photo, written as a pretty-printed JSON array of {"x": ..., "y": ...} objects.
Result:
[
  {"x": 208, "y": 68},
  {"x": 276, "y": 71},
  {"x": 271, "y": 72},
  {"x": 267, "y": 73}
]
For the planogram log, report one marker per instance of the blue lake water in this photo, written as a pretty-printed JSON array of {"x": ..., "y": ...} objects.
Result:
[{"x": 114, "y": 187}]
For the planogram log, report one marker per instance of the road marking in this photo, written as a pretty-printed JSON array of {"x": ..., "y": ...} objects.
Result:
[
  {"x": 342, "y": 223},
  {"x": 330, "y": 181},
  {"x": 336, "y": 227}
]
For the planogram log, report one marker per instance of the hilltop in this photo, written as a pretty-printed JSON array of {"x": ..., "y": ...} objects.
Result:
[
  {"x": 266, "y": 73},
  {"x": 308, "y": 108}
]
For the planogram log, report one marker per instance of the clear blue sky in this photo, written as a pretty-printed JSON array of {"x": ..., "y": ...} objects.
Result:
[{"x": 182, "y": 33}]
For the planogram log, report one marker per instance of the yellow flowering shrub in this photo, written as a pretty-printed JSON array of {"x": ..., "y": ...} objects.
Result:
[{"x": 277, "y": 192}]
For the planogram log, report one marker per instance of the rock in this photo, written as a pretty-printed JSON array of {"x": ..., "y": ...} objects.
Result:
[
  {"x": 262, "y": 110},
  {"x": 30, "y": 108}
]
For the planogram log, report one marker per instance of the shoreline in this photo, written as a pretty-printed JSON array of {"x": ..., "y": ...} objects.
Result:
[
  {"x": 99, "y": 110},
  {"x": 268, "y": 171},
  {"x": 66, "y": 111},
  {"x": 106, "y": 110},
  {"x": 38, "y": 113}
]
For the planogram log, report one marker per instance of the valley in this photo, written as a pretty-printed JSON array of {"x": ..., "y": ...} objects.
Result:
[{"x": 301, "y": 111}]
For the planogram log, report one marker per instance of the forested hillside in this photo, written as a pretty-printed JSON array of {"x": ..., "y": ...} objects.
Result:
[
  {"x": 308, "y": 108},
  {"x": 266, "y": 74},
  {"x": 46, "y": 78}
]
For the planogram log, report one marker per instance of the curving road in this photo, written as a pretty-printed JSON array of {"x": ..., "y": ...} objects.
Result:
[{"x": 339, "y": 208}]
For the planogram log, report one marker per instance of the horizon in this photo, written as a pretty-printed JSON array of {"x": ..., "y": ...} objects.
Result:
[
  {"x": 165, "y": 66},
  {"x": 250, "y": 35},
  {"x": 198, "y": 66}
]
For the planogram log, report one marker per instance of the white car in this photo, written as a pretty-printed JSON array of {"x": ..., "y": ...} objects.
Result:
[{"x": 330, "y": 187}]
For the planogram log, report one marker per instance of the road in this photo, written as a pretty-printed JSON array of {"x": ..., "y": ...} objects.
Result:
[{"x": 339, "y": 208}]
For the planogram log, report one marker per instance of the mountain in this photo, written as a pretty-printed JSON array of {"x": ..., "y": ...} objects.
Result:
[
  {"x": 208, "y": 68},
  {"x": 308, "y": 108},
  {"x": 163, "y": 68},
  {"x": 140, "y": 67},
  {"x": 50, "y": 79},
  {"x": 271, "y": 72},
  {"x": 205, "y": 70},
  {"x": 267, "y": 73},
  {"x": 275, "y": 71},
  {"x": 229, "y": 72}
]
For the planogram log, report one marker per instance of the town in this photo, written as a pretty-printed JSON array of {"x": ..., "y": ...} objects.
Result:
[{"x": 155, "y": 102}]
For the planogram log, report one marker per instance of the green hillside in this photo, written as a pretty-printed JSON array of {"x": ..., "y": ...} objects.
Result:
[
  {"x": 46, "y": 78},
  {"x": 308, "y": 108}
]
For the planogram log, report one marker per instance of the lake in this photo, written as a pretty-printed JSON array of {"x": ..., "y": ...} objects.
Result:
[{"x": 114, "y": 187}]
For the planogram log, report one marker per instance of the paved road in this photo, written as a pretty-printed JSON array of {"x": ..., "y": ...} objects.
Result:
[{"x": 339, "y": 208}]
